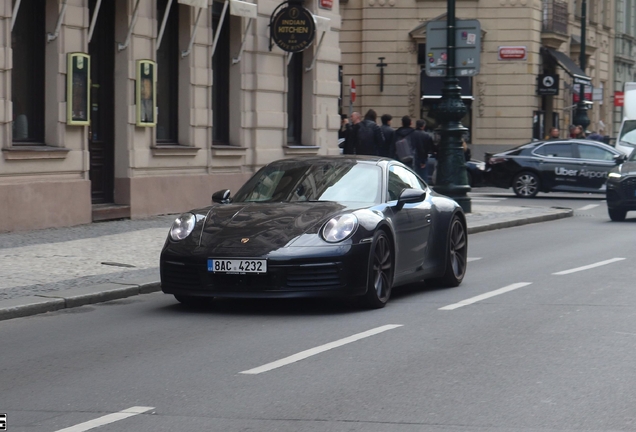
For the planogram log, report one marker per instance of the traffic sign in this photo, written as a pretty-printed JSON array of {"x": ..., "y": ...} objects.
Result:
[
  {"x": 352, "y": 90},
  {"x": 467, "y": 50}
]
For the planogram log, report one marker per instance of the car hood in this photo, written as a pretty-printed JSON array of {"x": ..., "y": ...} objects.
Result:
[
  {"x": 627, "y": 168},
  {"x": 259, "y": 228}
]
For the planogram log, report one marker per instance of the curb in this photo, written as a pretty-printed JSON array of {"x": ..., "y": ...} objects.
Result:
[
  {"x": 557, "y": 213},
  {"x": 33, "y": 305},
  {"x": 26, "y": 306}
]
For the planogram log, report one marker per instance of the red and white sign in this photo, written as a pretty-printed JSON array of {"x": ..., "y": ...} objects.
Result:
[
  {"x": 619, "y": 99},
  {"x": 352, "y": 90},
  {"x": 513, "y": 53},
  {"x": 326, "y": 4}
]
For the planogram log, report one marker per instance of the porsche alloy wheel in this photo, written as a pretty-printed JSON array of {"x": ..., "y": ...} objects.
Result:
[
  {"x": 457, "y": 255},
  {"x": 380, "y": 279},
  {"x": 526, "y": 185}
]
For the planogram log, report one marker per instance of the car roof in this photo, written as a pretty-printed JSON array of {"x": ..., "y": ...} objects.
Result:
[{"x": 538, "y": 143}]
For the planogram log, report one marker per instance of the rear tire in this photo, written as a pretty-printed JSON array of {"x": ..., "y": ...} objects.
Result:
[
  {"x": 457, "y": 254},
  {"x": 617, "y": 215},
  {"x": 526, "y": 184},
  {"x": 380, "y": 272}
]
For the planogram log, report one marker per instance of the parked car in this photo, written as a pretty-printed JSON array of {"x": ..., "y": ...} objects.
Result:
[
  {"x": 317, "y": 226},
  {"x": 476, "y": 172},
  {"x": 621, "y": 189},
  {"x": 575, "y": 165}
]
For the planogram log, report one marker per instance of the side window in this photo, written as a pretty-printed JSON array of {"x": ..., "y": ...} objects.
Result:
[
  {"x": 555, "y": 150},
  {"x": 400, "y": 179},
  {"x": 594, "y": 153}
]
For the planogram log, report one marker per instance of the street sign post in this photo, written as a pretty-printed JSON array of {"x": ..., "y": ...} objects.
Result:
[
  {"x": 467, "y": 50},
  {"x": 352, "y": 95}
]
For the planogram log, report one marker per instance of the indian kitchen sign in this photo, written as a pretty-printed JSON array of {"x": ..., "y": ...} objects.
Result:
[{"x": 292, "y": 27}]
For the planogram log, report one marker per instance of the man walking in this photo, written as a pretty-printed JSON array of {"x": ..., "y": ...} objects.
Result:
[
  {"x": 352, "y": 133},
  {"x": 422, "y": 146},
  {"x": 369, "y": 138},
  {"x": 389, "y": 135}
]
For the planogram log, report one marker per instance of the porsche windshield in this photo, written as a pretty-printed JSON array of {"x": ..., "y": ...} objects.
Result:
[{"x": 324, "y": 181}]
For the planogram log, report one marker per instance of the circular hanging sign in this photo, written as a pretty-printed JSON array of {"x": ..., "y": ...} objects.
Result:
[{"x": 293, "y": 28}]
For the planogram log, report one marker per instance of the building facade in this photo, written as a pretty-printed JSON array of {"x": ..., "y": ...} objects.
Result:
[
  {"x": 625, "y": 59},
  {"x": 133, "y": 108},
  {"x": 521, "y": 41}
]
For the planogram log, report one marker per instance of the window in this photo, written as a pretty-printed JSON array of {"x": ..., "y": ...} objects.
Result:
[
  {"x": 27, "y": 78},
  {"x": 168, "y": 57},
  {"x": 221, "y": 79},
  {"x": 594, "y": 153},
  {"x": 295, "y": 99},
  {"x": 400, "y": 179},
  {"x": 555, "y": 150}
]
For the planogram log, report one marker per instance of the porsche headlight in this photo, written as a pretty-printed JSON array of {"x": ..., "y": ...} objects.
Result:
[
  {"x": 340, "y": 228},
  {"x": 614, "y": 175},
  {"x": 182, "y": 226}
]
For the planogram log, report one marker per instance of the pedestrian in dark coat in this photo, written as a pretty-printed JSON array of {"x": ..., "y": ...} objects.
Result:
[
  {"x": 369, "y": 138},
  {"x": 422, "y": 146},
  {"x": 352, "y": 132},
  {"x": 406, "y": 131},
  {"x": 389, "y": 135}
]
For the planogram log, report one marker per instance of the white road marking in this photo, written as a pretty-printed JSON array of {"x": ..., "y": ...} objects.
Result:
[
  {"x": 485, "y": 296},
  {"x": 589, "y": 207},
  {"x": 107, "y": 419},
  {"x": 587, "y": 267},
  {"x": 473, "y": 259},
  {"x": 317, "y": 350},
  {"x": 487, "y": 200}
]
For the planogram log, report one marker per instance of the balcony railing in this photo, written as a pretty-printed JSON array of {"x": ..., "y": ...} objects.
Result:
[{"x": 555, "y": 16}]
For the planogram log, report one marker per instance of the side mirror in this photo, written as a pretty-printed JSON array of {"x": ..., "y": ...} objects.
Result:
[
  {"x": 410, "y": 196},
  {"x": 619, "y": 159},
  {"x": 221, "y": 197}
]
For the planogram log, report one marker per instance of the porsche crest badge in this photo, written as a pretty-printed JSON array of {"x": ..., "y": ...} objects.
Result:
[{"x": 244, "y": 240}]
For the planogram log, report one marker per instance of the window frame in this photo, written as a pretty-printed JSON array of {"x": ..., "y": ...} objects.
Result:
[
  {"x": 168, "y": 77},
  {"x": 295, "y": 73}
]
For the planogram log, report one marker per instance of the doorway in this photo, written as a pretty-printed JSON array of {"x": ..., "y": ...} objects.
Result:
[{"x": 102, "y": 129}]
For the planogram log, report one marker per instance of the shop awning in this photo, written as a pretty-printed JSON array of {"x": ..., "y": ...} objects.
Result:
[{"x": 569, "y": 66}]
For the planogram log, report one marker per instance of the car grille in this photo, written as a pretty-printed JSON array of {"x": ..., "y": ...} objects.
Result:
[
  {"x": 278, "y": 278},
  {"x": 628, "y": 187},
  {"x": 314, "y": 277},
  {"x": 180, "y": 275}
]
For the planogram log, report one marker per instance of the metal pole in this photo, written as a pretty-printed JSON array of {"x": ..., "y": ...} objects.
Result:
[
  {"x": 163, "y": 23},
  {"x": 94, "y": 20},
  {"x": 15, "y": 11},
  {"x": 451, "y": 167}
]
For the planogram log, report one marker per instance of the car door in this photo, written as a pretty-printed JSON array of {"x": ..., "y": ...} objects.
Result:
[
  {"x": 596, "y": 163},
  {"x": 411, "y": 223},
  {"x": 557, "y": 164}
]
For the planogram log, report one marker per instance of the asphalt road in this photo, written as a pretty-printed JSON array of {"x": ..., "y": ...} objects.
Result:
[{"x": 541, "y": 336}]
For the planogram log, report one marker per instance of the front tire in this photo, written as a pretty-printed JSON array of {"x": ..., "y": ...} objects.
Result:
[
  {"x": 457, "y": 254},
  {"x": 617, "y": 214},
  {"x": 380, "y": 272},
  {"x": 526, "y": 184}
]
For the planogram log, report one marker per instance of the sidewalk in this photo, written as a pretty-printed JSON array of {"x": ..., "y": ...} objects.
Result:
[{"x": 52, "y": 269}]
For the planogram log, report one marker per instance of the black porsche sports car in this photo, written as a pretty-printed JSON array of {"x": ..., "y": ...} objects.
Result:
[
  {"x": 621, "y": 189},
  {"x": 574, "y": 165},
  {"x": 317, "y": 226}
]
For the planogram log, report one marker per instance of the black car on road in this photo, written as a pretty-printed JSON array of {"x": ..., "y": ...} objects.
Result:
[
  {"x": 621, "y": 189},
  {"x": 317, "y": 226},
  {"x": 573, "y": 165}
]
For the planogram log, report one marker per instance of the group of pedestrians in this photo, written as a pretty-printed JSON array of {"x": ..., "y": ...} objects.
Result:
[
  {"x": 576, "y": 131},
  {"x": 412, "y": 146}
]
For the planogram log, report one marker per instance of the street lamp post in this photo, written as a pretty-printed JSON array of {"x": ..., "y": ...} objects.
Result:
[
  {"x": 580, "y": 117},
  {"x": 451, "y": 167}
]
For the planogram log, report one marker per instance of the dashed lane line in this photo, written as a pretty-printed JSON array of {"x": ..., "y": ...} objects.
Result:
[
  {"x": 587, "y": 267},
  {"x": 107, "y": 419},
  {"x": 319, "y": 349},
  {"x": 485, "y": 296},
  {"x": 589, "y": 207}
]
